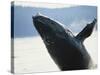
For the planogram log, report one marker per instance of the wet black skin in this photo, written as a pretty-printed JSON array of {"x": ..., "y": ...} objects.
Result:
[{"x": 67, "y": 50}]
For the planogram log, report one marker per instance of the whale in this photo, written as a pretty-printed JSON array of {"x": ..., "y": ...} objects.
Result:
[{"x": 67, "y": 50}]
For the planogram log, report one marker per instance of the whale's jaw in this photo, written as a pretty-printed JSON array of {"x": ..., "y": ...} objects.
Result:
[{"x": 67, "y": 51}]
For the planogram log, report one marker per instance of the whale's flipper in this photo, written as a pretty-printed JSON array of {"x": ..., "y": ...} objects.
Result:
[{"x": 87, "y": 31}]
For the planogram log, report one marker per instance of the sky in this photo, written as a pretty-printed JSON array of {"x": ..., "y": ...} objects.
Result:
[{"x": 74, "y": 17}]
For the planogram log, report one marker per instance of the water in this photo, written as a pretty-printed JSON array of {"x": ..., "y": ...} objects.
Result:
[{"x": 31, "y": 54}]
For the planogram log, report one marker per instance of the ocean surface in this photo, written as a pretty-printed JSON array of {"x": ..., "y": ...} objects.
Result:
[{"x": 30, "y": 54}]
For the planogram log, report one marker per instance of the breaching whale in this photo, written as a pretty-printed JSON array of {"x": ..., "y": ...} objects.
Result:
[{"x": 67, "y": 50}]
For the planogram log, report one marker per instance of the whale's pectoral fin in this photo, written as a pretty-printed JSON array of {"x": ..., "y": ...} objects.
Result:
[{"x": 87, "y": 31}]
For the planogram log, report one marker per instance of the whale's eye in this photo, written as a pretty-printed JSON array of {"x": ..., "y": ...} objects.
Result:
[{"x": 49, "y": 40}]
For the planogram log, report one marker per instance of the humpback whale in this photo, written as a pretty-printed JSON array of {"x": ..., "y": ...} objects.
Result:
[{"x": 67, "y": 50}]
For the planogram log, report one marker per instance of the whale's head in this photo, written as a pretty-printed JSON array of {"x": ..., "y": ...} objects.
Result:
[{"x": 47, "y": 27}]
